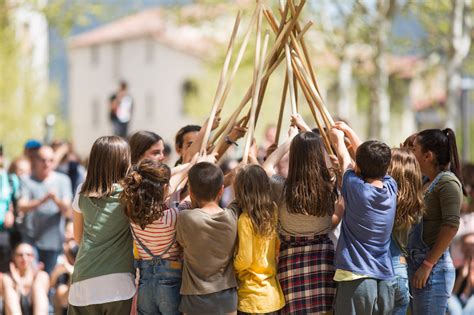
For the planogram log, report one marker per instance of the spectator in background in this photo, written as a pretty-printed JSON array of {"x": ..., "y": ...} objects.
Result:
[
  {"x": 20, "y": 166},
  {"x": 25, "y": 287},
  {"x": 121, "y": 108},
  {"x": 9, "y": 186},
  {"x": 61, "y": 275},
  {"x": 462, "y": 298},
  {"x": 31, "y": 147},
  {"x": 46, "y": 202},
  {"x": 68, "y": 163}
]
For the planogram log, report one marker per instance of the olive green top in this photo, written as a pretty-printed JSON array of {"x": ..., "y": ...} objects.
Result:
[
  {"x": 400, "y": 235},
  {"x": 443, "y": 207},
  {"x": 106, "y": 246}
]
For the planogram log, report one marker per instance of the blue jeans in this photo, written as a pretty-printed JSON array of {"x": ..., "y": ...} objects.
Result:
[
  {"x": 433, "y": 298},
  {"x": 159, "y": 285},
  {"x": 364, "y": 296},
  {"x": 401, "y": 286}
]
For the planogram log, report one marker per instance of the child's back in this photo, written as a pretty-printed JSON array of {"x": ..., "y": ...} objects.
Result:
[
  {"x": 207, "y": 235},
  {"x": 363, "y": 246},
  {"x": 364, "y": 268},
  {"x": 208, "y": 242}
]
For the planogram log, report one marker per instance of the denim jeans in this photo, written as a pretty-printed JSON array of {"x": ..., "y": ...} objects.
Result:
[
  {"x": 401, "y": 286},
  {"x": 433, "y": 298},
  {"x": 159, "y": 285},
  {"x": 364, "y": 296}
]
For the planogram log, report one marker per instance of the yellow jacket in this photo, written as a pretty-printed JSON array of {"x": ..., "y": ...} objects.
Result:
[{"x": 256, "y": 267}]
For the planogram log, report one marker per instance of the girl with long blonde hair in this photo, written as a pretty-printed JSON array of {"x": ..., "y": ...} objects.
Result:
[
  {"x": 404, "y": 168},
  {"x": 256, "y": 260}
]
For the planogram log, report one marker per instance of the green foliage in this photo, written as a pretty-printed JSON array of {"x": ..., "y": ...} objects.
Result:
[{"x": 26, "y": 97}]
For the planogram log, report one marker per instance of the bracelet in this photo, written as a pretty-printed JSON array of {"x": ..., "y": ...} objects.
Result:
[
  {"x": 428, "y": 264},
  {"x": 229, "y": 141}
]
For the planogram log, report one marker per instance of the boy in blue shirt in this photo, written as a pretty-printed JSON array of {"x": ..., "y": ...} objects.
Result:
[{"x": 363, "y": 264}]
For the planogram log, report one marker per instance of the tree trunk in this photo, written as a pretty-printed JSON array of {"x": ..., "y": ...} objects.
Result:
[
  {"x": 379, "y": 126},
  {"x": 346, "y": 97},
  {"x": 460, "y": 44}
]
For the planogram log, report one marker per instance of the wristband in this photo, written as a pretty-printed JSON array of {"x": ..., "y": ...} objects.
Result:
[
  {"x": 229, "y": 141},
  {"x": 428, "y": 264}
]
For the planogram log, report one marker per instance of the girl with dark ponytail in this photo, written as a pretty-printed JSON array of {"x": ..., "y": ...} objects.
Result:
[{"x": 430, "y": 266}]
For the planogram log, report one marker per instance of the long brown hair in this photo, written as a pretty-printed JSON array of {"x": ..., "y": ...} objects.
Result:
[
  {"x": 109, "y": 162},
  {"x": 144, "y": 191},
  {"x": 404, "y": 168},
  {"x": 308, "y": 187},
  {"x": 253, "y": 195}
]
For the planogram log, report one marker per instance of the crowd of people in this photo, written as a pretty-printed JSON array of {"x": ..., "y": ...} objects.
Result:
[{"x": 296, "y": 230}]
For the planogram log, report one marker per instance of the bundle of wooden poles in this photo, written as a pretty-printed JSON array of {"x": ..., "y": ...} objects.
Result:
[{"x": 289, "y": 45}]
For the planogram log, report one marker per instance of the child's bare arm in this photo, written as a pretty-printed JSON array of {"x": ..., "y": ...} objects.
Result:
[
  {"x": 277, "y": 155},
  {"x": 337, "y": 137},
  {"x": 349, "y": 133}
]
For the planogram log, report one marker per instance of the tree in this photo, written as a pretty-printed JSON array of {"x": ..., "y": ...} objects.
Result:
[
  {"x": 459, "y": 47},
  {"x": 25, "y": 97}
]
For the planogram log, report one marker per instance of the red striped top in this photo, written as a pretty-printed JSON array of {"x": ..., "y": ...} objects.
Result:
[{"x": 158, "y": 235}]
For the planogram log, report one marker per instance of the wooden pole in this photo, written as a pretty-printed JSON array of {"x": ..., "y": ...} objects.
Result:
[
  {"x": 256, "y": 83},
  {"x": 317, "y": 119},
  {"x": 282, "y": 109},
  {"x": 314, "y": 93},
  {"x": 289, "y": 70},
  {"x": 219, "y": 90},
  {"x": 240, "y": 55}
]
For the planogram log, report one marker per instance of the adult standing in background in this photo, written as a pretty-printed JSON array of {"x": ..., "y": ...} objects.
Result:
[
  {"x": 46, "y": 202},
  {"x": 121, "y": 108}
]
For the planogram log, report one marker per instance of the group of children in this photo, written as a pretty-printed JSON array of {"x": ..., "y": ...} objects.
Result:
[{"x": 270, "y": 249}]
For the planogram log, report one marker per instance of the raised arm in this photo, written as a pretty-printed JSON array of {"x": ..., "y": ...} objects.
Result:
[
  {"x": 354, "y": 139},
  {"x": 337, "y": 137},
  {"x": 277, "y": 155}
]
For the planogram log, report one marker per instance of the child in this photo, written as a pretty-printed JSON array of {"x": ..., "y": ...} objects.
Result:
[
  {"x": 363, "y": 267},
  {"x": 430, "y": 267},
  {"x": 255, "y": 262},
  {"x": 207, "y": 235},
  {"x": 154, "y": 230},
  {"x": 405, "y": 170},
  {"x": 102, "y": 280},
  {"x": 306, "y": 200}
]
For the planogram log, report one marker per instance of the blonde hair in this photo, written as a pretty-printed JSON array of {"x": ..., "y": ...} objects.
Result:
[
  {"x": 253, "y": 195},
  {"x": 404, "y": 168}
]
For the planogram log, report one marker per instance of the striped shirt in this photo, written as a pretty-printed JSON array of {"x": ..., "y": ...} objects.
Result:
[{"x": 158, "y": 236}]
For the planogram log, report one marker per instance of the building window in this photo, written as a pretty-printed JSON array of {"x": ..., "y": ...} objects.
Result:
[
  {"x": 149, "y": 51},
  {"x": 117, "y": 56},
  {"x": 95, "y": 113},
  {"x": 149, "y": 106},
  {"x": 95, "y": 55}
]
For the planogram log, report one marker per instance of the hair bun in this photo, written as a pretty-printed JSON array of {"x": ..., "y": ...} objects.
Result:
[{"x": 135, "y": 179}]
